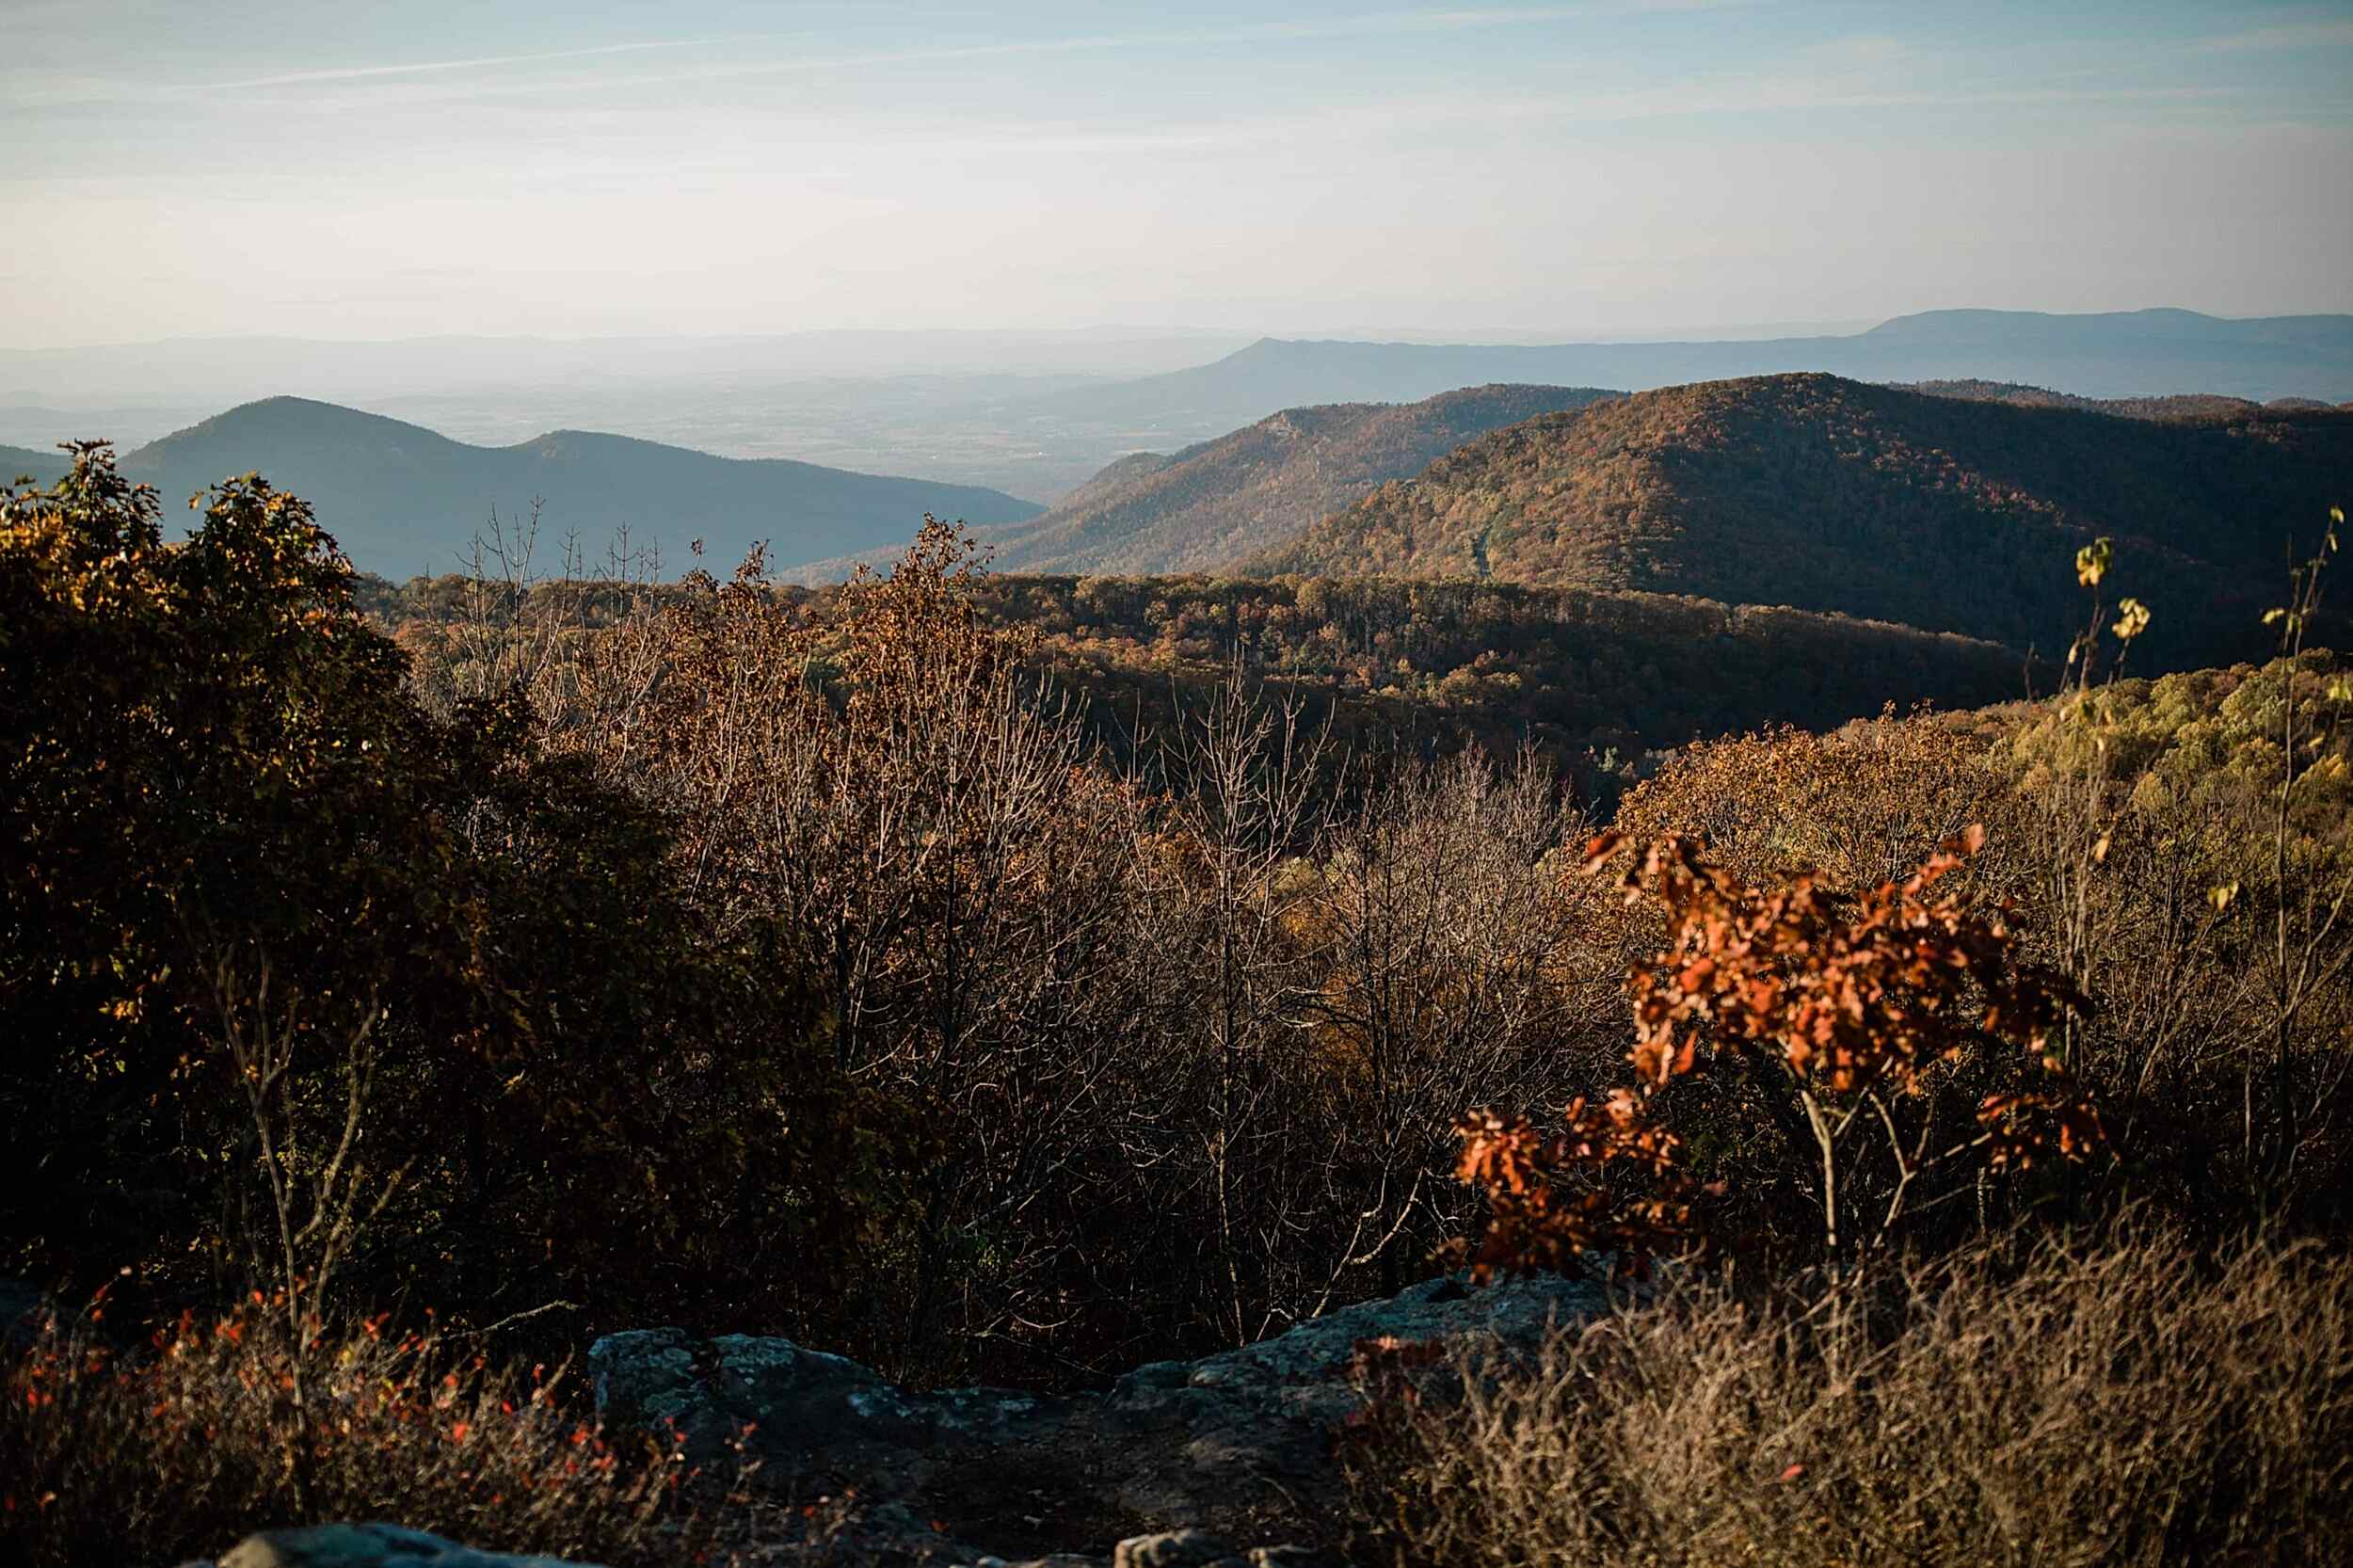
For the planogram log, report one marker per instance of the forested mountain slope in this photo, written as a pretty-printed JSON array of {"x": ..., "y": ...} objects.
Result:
[
  {"x": 1212, "y": 504},
  {"x": 1827, "y": 494}
]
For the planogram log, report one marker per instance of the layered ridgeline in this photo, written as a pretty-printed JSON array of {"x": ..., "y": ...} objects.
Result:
[
  {"x": 1826, "y": 495},
  {"x": 1216, "y": 503},
  {"x": 405, "y": 500},
  {"x": 2181, "y": 406},
  {"x": 2111, "y": 354}
]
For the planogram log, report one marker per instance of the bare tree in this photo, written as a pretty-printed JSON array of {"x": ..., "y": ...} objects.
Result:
[{"x": 322, "y": 1192}]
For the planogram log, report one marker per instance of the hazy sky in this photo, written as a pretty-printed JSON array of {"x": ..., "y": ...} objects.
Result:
[{"x": 366, "y": 172}]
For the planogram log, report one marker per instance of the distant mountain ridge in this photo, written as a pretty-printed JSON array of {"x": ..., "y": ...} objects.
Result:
[
  {"x": 1215, "y": 503},
  {"x": 2174, "y": 406},
  {"x": 17, "y": 461},
  {"x": 1831, "y": 495},
  {"x": 2116, "y": 353},
  {"x": 2133, "y": 331},
  {"x": 402, "y": 499}
]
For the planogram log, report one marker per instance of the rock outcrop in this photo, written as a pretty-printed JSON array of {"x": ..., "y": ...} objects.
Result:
[
  {"x": 1169, "y": 1467},
  {"x": 397, "y": 1546},
  {"x": 1234, "y": 1443}
]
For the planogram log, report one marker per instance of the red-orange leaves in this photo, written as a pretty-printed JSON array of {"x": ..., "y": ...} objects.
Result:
[
  {"x": 1606, "y": 1183},
  {"x": 1849, "y": 995},
  {"x": 2023, "y": 1128},
  {"x": 1848, "y": 1003}
]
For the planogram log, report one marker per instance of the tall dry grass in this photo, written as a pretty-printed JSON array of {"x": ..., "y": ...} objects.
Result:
[{"x": 2046, "y": 1404}]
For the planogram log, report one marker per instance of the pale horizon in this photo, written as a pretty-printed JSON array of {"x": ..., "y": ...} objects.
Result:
[
  {"x": 1536, "y": 173},
  {"x": 1125, "y": 331}
]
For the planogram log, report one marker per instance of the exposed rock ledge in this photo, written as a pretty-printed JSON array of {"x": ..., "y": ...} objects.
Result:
[
  {"x": 393, "y": 1546},
  {"x": 1163, "y": 1470}
]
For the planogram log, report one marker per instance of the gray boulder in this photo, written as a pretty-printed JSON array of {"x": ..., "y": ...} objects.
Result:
[
  {"x": 1174, "y": 1549},
  {"x": 367, "y": 1546},
  {"x": 1228, "y": 1443}
]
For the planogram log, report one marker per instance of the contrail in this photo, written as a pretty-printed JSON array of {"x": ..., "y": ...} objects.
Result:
[{"x": 349, "y": 73}]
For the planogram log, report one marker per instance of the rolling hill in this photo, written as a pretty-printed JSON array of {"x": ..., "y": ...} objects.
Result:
[
  {"x": 21, "y": 462},
  {"x": 402, "y": 499},
  {"x": 1831, "y": 495},
  {"x": 1214, "y": 504},
  {"x": 2119, "y": 354}
]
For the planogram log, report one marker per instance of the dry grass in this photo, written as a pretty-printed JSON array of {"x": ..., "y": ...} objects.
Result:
[
  {"x": 2133, "y": 1403},
  {"x": 180, "y": 1448}
]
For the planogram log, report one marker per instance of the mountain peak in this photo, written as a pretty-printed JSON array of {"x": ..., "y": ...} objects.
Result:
[{"x": 1824, "y": 493}]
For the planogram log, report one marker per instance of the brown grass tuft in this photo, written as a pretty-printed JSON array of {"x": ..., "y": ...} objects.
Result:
[{"x": 2129, "y": 1403}]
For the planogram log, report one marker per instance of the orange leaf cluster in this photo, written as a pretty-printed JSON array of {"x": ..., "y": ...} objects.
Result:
[
  {"x": 1848, "y": 1000},
  {"x": 1552, "y": 1199},
  {"x": 1857, "y": 1001}
]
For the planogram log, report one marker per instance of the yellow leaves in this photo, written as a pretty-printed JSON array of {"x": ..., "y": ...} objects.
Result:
[
  {"x": 2132, "y": 618},
  {"x": 2092, "y": 561},
  {"x": 2222, "y": 895}
]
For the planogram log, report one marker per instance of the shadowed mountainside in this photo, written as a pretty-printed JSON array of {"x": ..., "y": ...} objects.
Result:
[{"x": 1827, "y": 494}]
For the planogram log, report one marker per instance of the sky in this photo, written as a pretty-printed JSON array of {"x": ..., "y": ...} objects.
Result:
[{"x": 369, "y": 171}]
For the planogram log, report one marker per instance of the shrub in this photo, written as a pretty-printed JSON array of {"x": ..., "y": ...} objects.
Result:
[
  {"x": 175, "y": 1450},
  {"x": 2124, "y": 1403},
  {"x": 1843, "y": 1024}
]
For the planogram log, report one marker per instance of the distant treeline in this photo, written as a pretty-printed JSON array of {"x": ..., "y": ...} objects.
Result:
[{"x": 1591, "y": 679}]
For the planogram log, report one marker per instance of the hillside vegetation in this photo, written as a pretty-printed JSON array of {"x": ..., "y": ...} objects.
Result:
[
  {"x": 1830, "y": 494},
  {"x": 1217, "y": 502},
  {"x": 1393, "y": 665}
]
